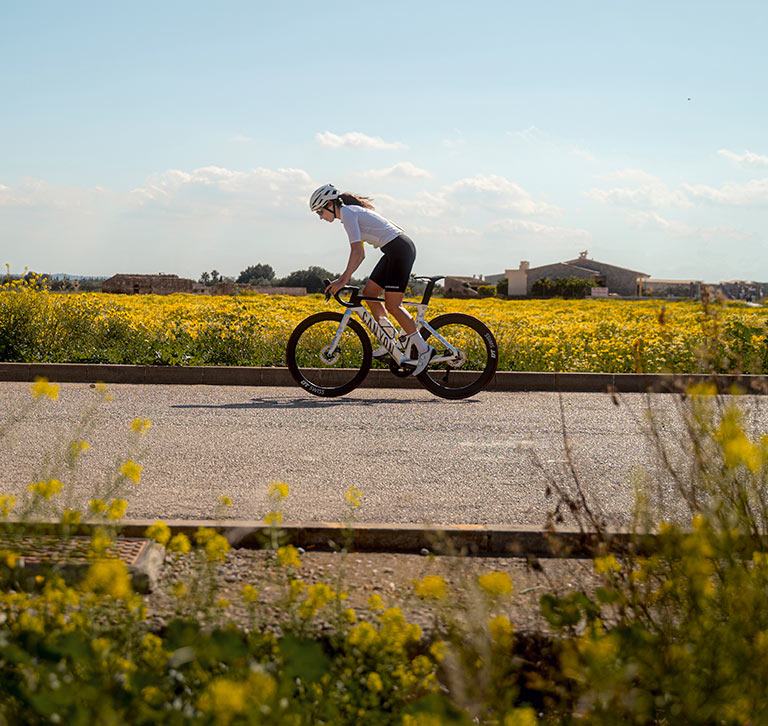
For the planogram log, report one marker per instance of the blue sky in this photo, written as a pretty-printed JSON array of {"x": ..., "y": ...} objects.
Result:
[{"x": 187, "y": 136}]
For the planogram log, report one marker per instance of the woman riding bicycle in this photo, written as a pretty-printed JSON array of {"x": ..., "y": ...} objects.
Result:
[{"x": 391, "y": 273}]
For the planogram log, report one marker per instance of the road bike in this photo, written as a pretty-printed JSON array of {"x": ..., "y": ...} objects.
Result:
[{"x": 329, "y": 353}]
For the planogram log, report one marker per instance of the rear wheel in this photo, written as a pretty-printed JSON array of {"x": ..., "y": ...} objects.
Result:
[
  {"x": 320, "y": 370},
  {"x": 473, "y": 365}
]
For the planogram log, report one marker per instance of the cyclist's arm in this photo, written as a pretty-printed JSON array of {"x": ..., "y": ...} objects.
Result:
[{"x": 356, "y": 256}]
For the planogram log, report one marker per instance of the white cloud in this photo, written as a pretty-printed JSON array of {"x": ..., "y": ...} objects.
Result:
[
  {"x": 526, "y": 227},
  {"x": 754, "y": 192},
  {"x": 532, "y": 133},
  {"x": 678, "y": 229},
  {"x": 424, "y": 204},
  {"x": 497, "y": 192},
  {"x": 747, "y": 159},
  {"x": 648, "y": 191},
  {"x": 403, "y": 170},
  {"x": 242, "y": 139},
  {"x": 582, "y": 153},
  {"x": 357, "y": 140},
  {"x": 223, "y": 189}
]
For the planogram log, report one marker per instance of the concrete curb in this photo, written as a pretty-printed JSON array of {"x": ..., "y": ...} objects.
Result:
[
  {"x": 467, "y": 539},
  {"x": 377, "y": 378}
]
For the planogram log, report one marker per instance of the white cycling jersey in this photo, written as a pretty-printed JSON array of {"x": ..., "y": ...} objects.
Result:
[{"x": 365, "y": 225}]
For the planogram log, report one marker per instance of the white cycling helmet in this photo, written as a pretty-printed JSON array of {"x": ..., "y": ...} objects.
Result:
[{"x": 321, "y": 196}]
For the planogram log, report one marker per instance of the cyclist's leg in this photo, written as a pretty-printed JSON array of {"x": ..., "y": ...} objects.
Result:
[
  {"x": 401, "y": 254},
  {"x": 373, "y": 289},
  {"x": 393, "y": 301}
]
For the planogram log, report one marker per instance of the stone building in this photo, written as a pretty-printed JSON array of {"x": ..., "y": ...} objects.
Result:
[
  {"x": 148, "y": 284},
  {"x": 618, "y": 280},
  {"x": 462, "y": 286},
  {"x": 168, "y": 284}
]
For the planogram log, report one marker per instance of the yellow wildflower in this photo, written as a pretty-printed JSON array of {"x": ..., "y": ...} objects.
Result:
[
  {"x": 70, "y": 517},
  {"x": 7, "y": 503},
  {"x": 78, "y": 447},
  {"x": 224, "y": 699},
  {"x": 41, "y": 387},
  {"x": 46, "y": 489},
  {"x": 373, "y": 682},
  {"x": 495, "y": 584},
  {"x": 97, "y": 506},
  {"x": 353, "y": 496},
  {"x": 250, "y": 594},
  {"x": 100, "y": 542},
  {"x": 273, "y": 519},
  {"x": 438, "y": 650},
  {"x": 375, "y": 602},
  {"x": 214, "y": 544},
  {"x": 131, "y": 470},
  {"x": 159, "y": 531},
  {"x": 108, "y": 577},
  {"x": 501, "y": 630},
  {"x": 141, "y": 425},
  {"x": 225, "y": 501},
  {"x": 604, "y": 565},
  {"x": 525, "y": 716},
  {"x": 10, "y": 558},
  {"x": 288, "y": 556},
  {"x": 278, "y": 490},
  {"x": 179, "y": 543},
  {"x": 318, "y": 596},
  {"x": 117, "y": 509},
  {"x": 430, "y": 586}
]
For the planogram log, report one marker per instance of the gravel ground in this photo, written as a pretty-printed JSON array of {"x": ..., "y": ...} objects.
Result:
[{"x": 388, "y": 575}]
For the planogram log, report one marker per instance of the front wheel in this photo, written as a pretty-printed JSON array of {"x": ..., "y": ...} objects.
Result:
[
  {"x": 318, "y": 368},
  {"x": 466, "y": 356}
]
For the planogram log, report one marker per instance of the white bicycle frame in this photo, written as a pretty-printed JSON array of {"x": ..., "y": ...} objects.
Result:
[{"x": 400, "y": 355}]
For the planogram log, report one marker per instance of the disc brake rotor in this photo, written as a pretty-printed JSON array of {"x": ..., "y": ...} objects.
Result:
[
  {"x": 329, "y": 360},
  {"x": 459, "y": 360}
]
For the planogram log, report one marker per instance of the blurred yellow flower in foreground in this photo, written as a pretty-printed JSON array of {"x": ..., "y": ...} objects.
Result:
[
  {"x": 495, "y": 584},
  {"x": 46, "y": 489},
  {"x": 278, "y": 490},
  {"x": 41, "y": 387},
  {"x": 131, "y": 470},
  {"x": 430, "y": 586},
  {"x": 159, "y": 531},
  {"x": 288, "y": 556},
  {"x": 353, "y": 496},
  {"x": 141, "y": 425}
]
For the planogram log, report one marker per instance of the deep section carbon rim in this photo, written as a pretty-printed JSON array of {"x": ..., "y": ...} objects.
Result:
[
  {"x": 319, "y": 369},
  {"x": 474, "y": 366}
]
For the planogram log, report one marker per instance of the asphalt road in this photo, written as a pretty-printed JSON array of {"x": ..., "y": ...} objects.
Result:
[{"x": 416, "y": 458}]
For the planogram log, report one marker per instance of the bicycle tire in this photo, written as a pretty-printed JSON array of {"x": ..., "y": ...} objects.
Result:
[
  {"x": 480, "y": 347},
  {"x": 314, "y": 374}
]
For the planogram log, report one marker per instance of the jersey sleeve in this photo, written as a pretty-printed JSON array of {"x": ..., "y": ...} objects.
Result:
[{"x": 349, "y": 220}]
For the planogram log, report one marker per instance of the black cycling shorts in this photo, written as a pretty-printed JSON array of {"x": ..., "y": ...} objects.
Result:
[{"x": 393, "y": 270}]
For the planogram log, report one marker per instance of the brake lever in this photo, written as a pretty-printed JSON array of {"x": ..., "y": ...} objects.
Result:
[{"x": 327, "y": 294}]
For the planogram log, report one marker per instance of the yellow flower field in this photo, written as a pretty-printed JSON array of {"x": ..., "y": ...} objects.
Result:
[{"x": 535, "y": 335}]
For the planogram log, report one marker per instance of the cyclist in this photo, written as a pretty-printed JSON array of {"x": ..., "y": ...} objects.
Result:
[{"x": 391, "y": 273}]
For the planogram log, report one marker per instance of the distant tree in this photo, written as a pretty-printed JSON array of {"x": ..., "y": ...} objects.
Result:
[
  {"x": 256, "y": 274},
  {"x": 502, "y": 287},
  {"x": 311, "y": 278},
  {"x": 211, "y": 278}
]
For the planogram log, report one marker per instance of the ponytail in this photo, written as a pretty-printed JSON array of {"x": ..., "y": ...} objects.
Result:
[{"x": 347, "y": 198}]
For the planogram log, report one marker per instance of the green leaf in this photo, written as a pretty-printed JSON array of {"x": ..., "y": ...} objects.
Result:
[{"x": 303, "y": 659}]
